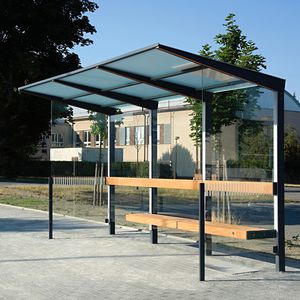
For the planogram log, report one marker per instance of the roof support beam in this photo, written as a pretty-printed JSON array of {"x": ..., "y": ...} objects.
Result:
[
  {"x": 84, "y": 105},
  {"x": 168, "y": 86},
  {"x": 149, "y": 104}
]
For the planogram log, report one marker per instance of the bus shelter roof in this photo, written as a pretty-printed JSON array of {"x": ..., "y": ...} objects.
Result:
[{"x": 146, "y": 76}]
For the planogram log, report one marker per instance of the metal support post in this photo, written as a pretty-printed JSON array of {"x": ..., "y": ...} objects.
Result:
[
  {"x": 205, "y": 122},
  {"x": 153, "y": 170},
  {"x": 50, "y": 207},
  {"x": 278, "y": 179},
  {"x": 111, "y": 188},
  {"x": 202, "y": 232}
]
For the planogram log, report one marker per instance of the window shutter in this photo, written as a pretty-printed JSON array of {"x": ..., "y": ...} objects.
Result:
[
  {"x": 117, "y": 136},
  {"x": 81, "y": 138},
  {"x": 132, "y": 135},
  {"x": 167, "y": 134},
  {"x": 122, "y": 136}
]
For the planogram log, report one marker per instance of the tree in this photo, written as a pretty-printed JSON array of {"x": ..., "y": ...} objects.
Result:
[
  {"x": 99, "y": 128},
  {"x": 36, "y": 38},
  {"x": 292, "y": 154},
  {"x": 234, "y": 48}
]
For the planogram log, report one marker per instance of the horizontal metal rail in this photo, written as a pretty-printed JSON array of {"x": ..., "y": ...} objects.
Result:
[
  {"x": 258, "y": 188},
  {"x": 71, "y": 180}
]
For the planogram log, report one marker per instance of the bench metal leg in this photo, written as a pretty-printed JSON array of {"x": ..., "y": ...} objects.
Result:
[
  {"x": 154, "y": 237},
  {"x": 112, "y": 228}
]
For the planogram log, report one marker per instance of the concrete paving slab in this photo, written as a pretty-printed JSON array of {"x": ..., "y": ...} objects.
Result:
[{"x": 84, "y": 262}]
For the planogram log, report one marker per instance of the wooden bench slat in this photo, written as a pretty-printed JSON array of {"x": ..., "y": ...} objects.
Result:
[
  {"x": 259, "y": 188},
  {"x": 213, "y": 228}
]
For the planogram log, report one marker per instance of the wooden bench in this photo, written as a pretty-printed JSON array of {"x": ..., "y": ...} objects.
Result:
[{"x": 213, "y": 228}]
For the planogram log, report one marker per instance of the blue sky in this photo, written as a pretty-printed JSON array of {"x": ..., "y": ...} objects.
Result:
[{"x": 123, "y": 26}]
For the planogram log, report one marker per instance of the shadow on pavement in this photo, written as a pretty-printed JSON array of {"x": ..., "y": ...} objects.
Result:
[{"x": 38, "y": 225}]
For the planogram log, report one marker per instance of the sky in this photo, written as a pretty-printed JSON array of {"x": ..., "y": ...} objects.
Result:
[{"x": 123, "y": 26}]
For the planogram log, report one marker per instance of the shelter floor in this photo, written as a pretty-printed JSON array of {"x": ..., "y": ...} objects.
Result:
[{"x": 84, "y": 261}]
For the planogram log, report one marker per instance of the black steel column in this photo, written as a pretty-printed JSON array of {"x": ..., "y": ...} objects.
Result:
[
  {"x": 279, "y": 211},
  {"x": 202, "y": 232},
  {"x": 206, "y": 125},
  {"x": 153, "y": 170},
  {"x": 50, "y": 207},
  {"x": 111, "y": 188}
]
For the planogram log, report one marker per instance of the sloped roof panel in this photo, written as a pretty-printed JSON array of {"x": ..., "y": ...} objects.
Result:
[{"x": 139, "y": 77}]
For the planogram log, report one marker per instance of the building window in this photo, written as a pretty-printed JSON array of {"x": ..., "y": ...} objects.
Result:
[
  {"x": 57, "y": 140},
  {"x": 87, "y": 139},
  {"x": 139, "y": 135},
  {"x": 124, "y": 136},
  {"x": 158, "y": 135},
  {"x": 127, "y": 135},
  {"x": 97, "y": 140},
  {"x": 78, "y": 140}
]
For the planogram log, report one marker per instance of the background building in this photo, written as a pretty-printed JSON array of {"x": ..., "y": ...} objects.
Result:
[{"x": 175, "y": 146}]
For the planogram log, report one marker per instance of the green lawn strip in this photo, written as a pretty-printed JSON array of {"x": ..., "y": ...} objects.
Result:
[{"x": 29, "y": 202}]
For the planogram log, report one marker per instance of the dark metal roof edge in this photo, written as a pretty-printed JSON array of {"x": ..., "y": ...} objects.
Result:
[{"x": 266, "y": 80}]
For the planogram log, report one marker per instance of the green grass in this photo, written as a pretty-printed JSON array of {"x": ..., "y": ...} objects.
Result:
[{"x": 26, "y": 202}]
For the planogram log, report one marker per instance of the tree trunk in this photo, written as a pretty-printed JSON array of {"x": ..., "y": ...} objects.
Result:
[{"x": 95, "y": 184}]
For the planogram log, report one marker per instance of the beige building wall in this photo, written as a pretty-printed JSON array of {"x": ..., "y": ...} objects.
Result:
[
  {"x": 82, "y": 124},
  {"x": 179, "y": 122},
  {"x": 178, "y": 150}
]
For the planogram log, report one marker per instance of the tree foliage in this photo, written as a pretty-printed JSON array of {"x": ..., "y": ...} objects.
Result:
[
  {"x": 99, "y": 125},
  {"x": 255, "y": 151},
  {"x": 36, "y": 38},
  {"x": 234, "y": 48},
  {"x": 292, "y": 154}
]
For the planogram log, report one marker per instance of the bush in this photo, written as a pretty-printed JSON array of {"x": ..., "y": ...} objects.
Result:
[
  {"x": 141, "y": 169},
  {"x": 66, "y": 168}
]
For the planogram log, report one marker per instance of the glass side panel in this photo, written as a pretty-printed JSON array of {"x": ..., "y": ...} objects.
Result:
[
  {"x": 96, "y": 99},
  {"x": 143, "y": 91},
  {"x": 290, "y": 103},
  {"x": 56, "y": 89},
  {"x": 152, "y": 63},
  {"x": 240, "y": 146},
  {"x": 99, "y": 79}
]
